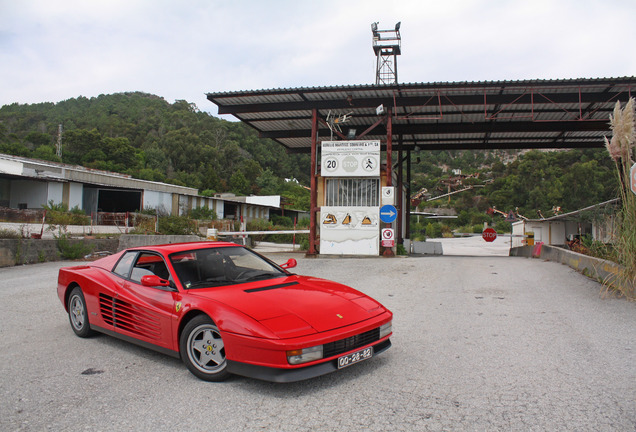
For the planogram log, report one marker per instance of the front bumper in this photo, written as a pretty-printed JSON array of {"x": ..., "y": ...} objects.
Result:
[{"x": 284, "y": 375}]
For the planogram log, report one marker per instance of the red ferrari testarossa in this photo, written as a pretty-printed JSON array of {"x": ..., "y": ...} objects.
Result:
[{"x": 225, "y": 309}]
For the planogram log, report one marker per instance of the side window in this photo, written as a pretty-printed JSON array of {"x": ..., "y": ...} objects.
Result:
[
  {"x": 125, "y": 263},
  {"x": 149, "y": 264}
]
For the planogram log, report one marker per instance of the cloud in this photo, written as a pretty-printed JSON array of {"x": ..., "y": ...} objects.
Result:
[{"x": 52, "y": 51}]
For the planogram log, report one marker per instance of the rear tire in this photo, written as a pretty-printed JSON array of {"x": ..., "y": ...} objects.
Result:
[
  {"x": 78, "y": 314},
  {"x": 202, "y": 349}
]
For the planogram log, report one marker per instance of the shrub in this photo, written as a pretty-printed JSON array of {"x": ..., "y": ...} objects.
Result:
[
  {"x": 302, "y": 223},
  {"x": 176, "y": 225},
  {"x": 434, "y": 230},
  {"x": 282, "y": 221},
  {"x": 303, "y": 241},
  {"x": 502, "y": 226},
  {"x": 9, "y": 234},
  {"x": 203, "y": 213},
  {"x": 478, "y": 229},
  {"x": 72, "y": 250},
  {"x": 59, "y": 214},
  {"x": 258, "y": 225},
  {"x": 622, "y": 150}
]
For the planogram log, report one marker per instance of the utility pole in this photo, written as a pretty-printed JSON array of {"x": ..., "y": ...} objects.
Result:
[{"x": 58, "y": 145}]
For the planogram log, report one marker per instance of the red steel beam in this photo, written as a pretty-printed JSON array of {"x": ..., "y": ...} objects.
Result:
[{"x": 313, "y": 206}]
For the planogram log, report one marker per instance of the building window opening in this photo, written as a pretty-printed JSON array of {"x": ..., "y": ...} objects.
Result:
[{"x": 352, "y": 192}]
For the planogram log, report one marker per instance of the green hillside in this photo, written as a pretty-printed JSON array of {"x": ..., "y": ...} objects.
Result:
[{"x": 145, "y": 136}]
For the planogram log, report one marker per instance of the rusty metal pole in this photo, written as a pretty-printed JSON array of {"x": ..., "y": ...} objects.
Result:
[
  {"x": 398, "y": 194},
  {"x": 389, "y": 147},
  {"x": 388, "y": 252},
  {"x": 407, "y": 201},
  {"x": 313, "y": 206}
]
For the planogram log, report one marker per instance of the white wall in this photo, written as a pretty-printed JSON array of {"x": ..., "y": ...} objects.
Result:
[
  {"x": 342, "y": 231},
  {"x": 162, "y": 201},
  {"x": 76, "y": 195},
  {"x": 548, "y": 232},
  {"x": 558, "y": 233},
  {"x": 183, "y": 205},
  {"x": 219, "y": 208},
  {"x": 55, "y": 192},
  {"x": 33, "y": 193}
]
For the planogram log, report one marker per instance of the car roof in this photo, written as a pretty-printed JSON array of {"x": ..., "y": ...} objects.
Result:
[{"x": 179, "y": 247}]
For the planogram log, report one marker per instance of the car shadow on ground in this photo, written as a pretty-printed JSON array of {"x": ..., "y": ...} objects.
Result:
[
  {"x": 163, "y": 363},
  {"x": 339, "y": 378}
]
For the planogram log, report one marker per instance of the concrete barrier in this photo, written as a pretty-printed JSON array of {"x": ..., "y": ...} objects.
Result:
[
  {"x": 423, "y": 247},
  {"x": 132, "y": 240},
  {"x": 30, "y": 251},
  {"x": 595, "y": 268}
]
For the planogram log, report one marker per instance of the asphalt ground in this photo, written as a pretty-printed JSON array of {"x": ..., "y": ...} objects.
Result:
[{"x": 480, "y": 343}]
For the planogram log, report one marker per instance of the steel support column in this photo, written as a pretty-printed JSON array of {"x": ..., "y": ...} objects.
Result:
[
  {"x": 389, "y": 147},
  {"x": 313, "y": 206},
  {"x": 408, "y": 194},
  {"x": 388, "y": 252},
  {"x": 398, "y": 194}
]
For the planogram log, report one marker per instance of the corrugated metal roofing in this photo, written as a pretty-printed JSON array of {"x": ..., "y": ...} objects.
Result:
[{"x": 568, "y": 113}]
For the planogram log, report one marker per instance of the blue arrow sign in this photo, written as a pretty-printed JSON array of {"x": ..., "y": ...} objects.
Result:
[{"x": 388, "y": 213}]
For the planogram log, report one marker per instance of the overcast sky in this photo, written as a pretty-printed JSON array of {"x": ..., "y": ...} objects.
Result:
[{"x": 56, "y": 50}]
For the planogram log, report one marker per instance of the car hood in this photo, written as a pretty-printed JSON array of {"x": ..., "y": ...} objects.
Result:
[{"x": 296, "y": 305}]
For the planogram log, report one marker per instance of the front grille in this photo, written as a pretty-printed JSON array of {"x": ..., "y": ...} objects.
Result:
[{"x": 343, "y": 345}]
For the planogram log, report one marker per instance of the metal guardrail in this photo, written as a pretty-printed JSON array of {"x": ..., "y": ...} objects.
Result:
[
  {"x": 479, "y": 235},
  {"x": 263, "y": 232}
]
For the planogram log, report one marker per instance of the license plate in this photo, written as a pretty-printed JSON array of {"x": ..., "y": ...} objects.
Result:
[{"x": 355, "y": 357}]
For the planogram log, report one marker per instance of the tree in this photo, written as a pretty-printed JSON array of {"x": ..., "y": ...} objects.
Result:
[
  {"x": 239, "y": 184},
  {"x": 78, "y": 145},
  {"x": 268, "y": 183}
]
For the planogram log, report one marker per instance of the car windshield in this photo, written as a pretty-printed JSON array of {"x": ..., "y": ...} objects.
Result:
[{"x": 221, "y": 266}]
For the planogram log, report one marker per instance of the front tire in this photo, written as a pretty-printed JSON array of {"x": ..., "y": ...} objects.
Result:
[
  {"x": 78, "y": 314},
  {"x": 202, "y": 349}
]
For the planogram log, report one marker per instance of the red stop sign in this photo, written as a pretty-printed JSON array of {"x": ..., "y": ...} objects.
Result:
[{"x": 489, "y": 234}]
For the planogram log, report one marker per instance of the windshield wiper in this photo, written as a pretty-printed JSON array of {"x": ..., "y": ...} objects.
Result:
[
  {"x": 210, "y": 283},
  {"x": 266, "y": 275}
]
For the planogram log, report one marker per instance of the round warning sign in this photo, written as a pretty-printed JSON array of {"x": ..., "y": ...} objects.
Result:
[{"x": 388, "y": 237}]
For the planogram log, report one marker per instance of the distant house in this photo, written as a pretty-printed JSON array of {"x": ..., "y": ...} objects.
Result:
[
  {"x": 29, "y": 184},
  {"x": 558, "y": 230}
]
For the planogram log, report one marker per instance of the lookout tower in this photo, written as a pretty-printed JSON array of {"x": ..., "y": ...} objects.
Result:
[{"x": 387, "y": 45}]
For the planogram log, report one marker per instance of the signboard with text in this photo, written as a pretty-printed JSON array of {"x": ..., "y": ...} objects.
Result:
[
  {"x": 350, "y": 159},
  {"x": 388, "y": 237},
  {"x": 489, "y": 235}
]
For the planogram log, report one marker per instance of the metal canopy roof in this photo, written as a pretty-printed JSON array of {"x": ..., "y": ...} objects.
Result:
[{"x": 570, "y": 113}]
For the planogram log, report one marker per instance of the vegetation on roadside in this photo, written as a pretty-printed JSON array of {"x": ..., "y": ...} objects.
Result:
[
  {"x": 594, "y": 248},
  {"x": 59, "y": 215},
  {"x": 622, "y": 150},
  {"x": 6, "y": 233},
  {"x": 72, "y": 249}
]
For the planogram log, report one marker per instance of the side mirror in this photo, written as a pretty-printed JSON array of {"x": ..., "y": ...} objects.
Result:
[
  {"x": 291, "y": 263},
  {"x": 154, "y": 280}
]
